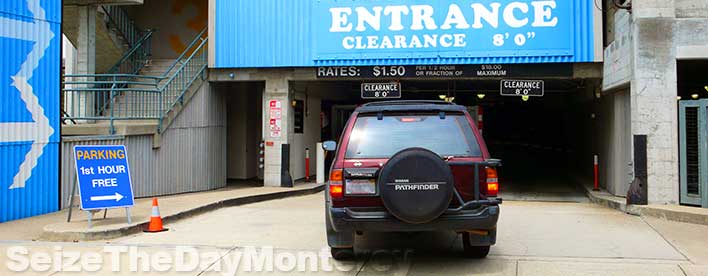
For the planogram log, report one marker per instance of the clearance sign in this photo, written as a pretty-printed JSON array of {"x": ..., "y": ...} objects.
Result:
[{"x": 452, "y": 28}]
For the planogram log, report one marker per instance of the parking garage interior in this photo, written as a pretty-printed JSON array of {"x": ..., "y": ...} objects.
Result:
[
  {"x": 691, "y": 78},
  {"x": 544, "y": 142}
]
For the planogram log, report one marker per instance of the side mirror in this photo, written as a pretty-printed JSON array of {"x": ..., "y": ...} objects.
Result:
[{"x": 329, "y": 146}]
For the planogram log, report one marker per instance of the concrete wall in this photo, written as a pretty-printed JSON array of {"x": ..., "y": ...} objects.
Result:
[
  {"x": 617, "y": 68},
  {"x": 659, "y": 30},
  {"x": 276, "y": 89},
  {"x": 192, "y": 156},
  {"x": 614, "y": 116},
  {"x": 691, "y": 8},
  {"x": 236, "y": 136},
  {"x": 177, "y": 23},
  {"x": 658, "y": 34},
  {"x": 278, "y": 86},
  {"x": 615, "y": 149}
]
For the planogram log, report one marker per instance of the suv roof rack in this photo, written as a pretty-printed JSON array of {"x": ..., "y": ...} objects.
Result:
[
  {"x": 408, "y": 102},
  {"x": 386, "y": 106}
]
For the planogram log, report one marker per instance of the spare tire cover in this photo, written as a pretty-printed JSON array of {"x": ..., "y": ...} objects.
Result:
[{"x": 416, "y": 185}]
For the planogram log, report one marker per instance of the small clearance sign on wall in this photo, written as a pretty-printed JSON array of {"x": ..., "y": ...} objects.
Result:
[
  {"x": 388, "y": 90},
  {"x": 532, "y": 88}
]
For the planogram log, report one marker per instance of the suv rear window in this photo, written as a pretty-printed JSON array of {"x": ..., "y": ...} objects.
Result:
[{"x": 374, "y": 138}]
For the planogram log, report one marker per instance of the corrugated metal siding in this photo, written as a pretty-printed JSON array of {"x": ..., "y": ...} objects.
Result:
[
  {"x": 191, "y": 158},
  {"x": 207, "y": 108},
  {"x": 584, "y": 28},
  {"x": 52, "y": 9},
  {"x": 266, "y": 33},
  {"x": 40, "y": 194},
  {"x": 30, "y": 43},
  {"x": 279, "y": 33}
]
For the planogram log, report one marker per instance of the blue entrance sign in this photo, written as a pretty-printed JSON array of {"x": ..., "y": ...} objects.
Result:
[
  {"x": 104, "y": 177},
  {"x": 294, "y": 33},
  {"x": 448, "y": 29}
]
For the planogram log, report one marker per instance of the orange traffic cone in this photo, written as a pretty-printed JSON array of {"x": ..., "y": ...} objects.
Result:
[{"x": 155, "y": 219}]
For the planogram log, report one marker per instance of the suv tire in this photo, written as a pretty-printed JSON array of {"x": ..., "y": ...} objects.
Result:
[
  {"x": 472, "y": 251},
  {"x": 416, "y": 185},
  {"x": 342, "y": 254}
]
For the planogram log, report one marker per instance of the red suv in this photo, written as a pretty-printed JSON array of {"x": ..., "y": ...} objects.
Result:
[{"x": 407, "y": 166}]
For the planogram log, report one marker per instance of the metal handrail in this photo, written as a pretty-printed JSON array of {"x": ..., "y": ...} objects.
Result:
[
  {"x": 196, "y": 59},
  {"x": 185, "y": 63},
  {"x": 113, "y": 75},
  {"x": 186, "y": 50},
  {"x": 130, "y": 63},
  {"x": 112, "y": 89},
  {"x": 130, "y": 96},
  {"x": 137, "y": 55},
  {"x": 122, "y": 22}
]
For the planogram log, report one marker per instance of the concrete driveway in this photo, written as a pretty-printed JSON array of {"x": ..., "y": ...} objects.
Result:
[{"x": 535, "y": 238}]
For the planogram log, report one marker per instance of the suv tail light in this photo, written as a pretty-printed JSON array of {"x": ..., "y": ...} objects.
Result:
[
  {"x": 492, "y": 182},
  {"x": 336, "y": 190}
]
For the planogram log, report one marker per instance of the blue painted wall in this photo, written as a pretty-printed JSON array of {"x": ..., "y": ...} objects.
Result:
[
  {"x": 305, "y": 33},
  {"x": 30, "y": 52}
]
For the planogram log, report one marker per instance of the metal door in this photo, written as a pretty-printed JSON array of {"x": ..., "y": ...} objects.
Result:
[{"x": 693, "y": 136}]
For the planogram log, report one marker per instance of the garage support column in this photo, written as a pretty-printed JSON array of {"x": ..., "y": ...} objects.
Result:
[
  {"x": 277, "y": 90},
  {"x": 82, "y": 104},
  {"x": 653, "y": 97}
]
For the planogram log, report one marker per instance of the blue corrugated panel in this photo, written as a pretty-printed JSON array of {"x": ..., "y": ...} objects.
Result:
[
  {"x": 30, "y": 40},
  {"x": 306, "y": 33},
  {"x": 263, "y": 33},
  {"x": 23, "y": 8}
]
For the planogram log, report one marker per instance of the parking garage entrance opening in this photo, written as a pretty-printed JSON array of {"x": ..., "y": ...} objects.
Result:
[{"x": 540, "y": 133}]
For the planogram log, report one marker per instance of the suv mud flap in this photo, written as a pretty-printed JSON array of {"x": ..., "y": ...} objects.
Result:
[{"x": 335, "y": 239}]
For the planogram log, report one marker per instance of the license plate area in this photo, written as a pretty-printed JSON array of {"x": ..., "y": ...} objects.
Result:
[{"x": 360, "y": 187}]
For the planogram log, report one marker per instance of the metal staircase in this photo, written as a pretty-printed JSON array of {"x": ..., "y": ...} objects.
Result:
[
  {"x": 123, "y": 25},
  {"x": 137, "y": 89},
  {"x": 115, "y": 33}
]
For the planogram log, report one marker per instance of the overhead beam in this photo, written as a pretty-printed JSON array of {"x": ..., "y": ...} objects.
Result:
[{"x": 102, "y": 2}]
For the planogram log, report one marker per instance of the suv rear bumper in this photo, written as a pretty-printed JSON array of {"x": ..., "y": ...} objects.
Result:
[{"x": 345, "y": 219}]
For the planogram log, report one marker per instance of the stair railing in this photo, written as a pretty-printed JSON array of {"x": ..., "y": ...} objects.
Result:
[
  {"x": 130, "y": 63},
  {"x": 121, "y": 21},
  {"x": 189, "y": 67},
  {"x": 140, "y": 98},
  {"x": 188, "y": 51},
  {"x": 130, "y": 96},
  {"x": 136, "y": 58}
]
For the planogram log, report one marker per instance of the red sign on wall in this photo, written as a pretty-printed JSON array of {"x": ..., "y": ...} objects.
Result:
[{"x": 276, "y": 114}]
